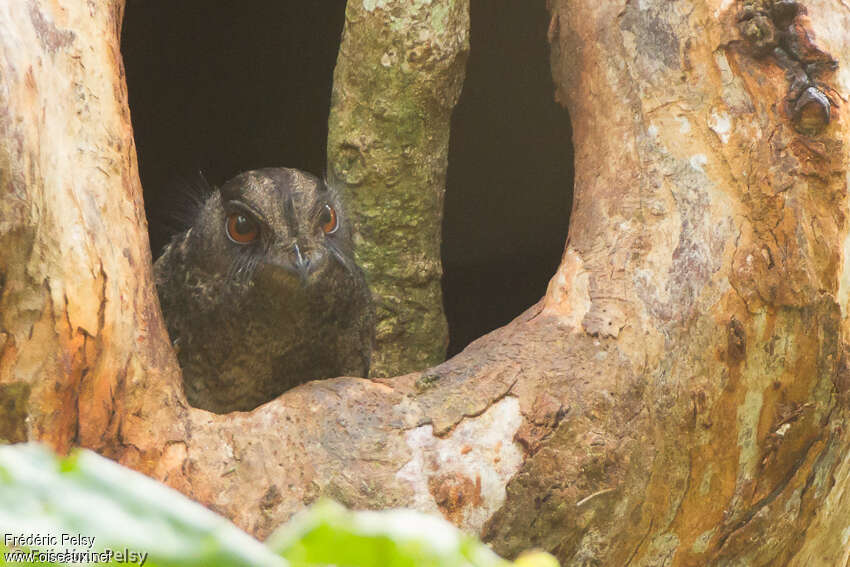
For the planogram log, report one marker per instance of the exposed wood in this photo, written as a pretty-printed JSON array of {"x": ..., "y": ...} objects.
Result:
[
  {"x": 678, "y": 397},
  {"x": 83, "y": 352},
  {"x": 711, "y": 261}
]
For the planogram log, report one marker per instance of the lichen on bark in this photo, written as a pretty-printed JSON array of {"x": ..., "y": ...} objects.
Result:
[{"x": 399, "y": 74}]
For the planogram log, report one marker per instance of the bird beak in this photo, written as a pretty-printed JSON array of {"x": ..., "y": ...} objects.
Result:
[
  {"x": 302, "y": 264},
  {"x": 296, "y": 261}
]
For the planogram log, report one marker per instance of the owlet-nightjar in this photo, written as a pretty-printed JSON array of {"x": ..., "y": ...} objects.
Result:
[{"x": 262, "y": 294}]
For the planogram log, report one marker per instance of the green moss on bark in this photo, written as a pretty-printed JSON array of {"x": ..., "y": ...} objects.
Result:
[{"x": 398, "y": 76}]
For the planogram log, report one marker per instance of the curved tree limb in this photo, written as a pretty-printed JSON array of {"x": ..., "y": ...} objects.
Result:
[{"x": 678, "y": 397}]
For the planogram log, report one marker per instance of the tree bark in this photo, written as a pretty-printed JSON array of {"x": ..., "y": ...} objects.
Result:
[
  {"x": 678, "y": 397},
  {"x": 709, "y": 263},
  {"x": 397, "y": 79},
  {"x": 80, "y": 333}
]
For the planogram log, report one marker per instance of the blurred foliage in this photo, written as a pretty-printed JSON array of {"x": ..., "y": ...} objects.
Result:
[
  {"x": 86, "y": 496},
  {"x": 90, "y": 495}
]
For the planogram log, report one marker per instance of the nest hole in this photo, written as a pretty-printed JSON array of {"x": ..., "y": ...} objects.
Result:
[{"x": 221, "y": 90}]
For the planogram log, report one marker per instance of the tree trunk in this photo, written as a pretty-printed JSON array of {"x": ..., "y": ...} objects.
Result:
[
  {"x": 398, "y": 76},
  {"x": 81, "y": 338},
  {"x": 678, "y": 397},
  {"x": 706, "y": 263}
]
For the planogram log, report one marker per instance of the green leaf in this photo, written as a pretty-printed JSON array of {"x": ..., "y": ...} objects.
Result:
[
  {"x": 86, "y": 494},
  {"x": 328, "y": 534}
]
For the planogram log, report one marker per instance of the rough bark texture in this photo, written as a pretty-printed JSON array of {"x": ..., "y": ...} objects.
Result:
[
  {"x": 710, "y": 263},
  {"x": 678, "y": 397},
  {"x": 80, "y": 333},
  {"x": 397, "y": 79}
]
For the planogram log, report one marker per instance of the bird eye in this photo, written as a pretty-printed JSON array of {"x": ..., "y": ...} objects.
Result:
[
  {"x": 241, "y": 228},
  {"x": 328, "y": 220}
]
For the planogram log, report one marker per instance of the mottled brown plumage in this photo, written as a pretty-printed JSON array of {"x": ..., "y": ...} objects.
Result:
[{"x": 261, "y": 293}]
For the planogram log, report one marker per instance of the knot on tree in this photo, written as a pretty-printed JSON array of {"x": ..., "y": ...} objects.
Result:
[{"x": 773, "y": 28}]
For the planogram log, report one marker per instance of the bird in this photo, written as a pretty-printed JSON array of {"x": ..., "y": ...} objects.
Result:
[{"x": 261, "y": 293}]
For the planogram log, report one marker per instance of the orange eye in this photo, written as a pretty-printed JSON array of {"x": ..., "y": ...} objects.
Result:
[
  {"x": 242, "y": 229},
  {"x": 328, "y": 220}
]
